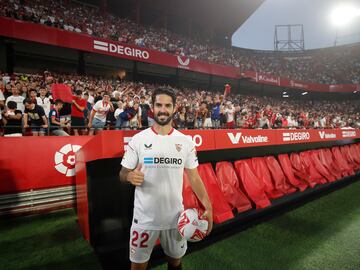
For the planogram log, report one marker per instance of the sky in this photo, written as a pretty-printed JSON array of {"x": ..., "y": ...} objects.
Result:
[{"x": 315, "y": 15}]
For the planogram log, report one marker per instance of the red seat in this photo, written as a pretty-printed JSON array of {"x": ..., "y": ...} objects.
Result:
[
  {"x": 262, "y": 172},
  {"x": 300, "y": 171},
  {"x": 251, "y": 184},
  {"x": 355, "y": 155},
  {"x": 278, "y": 175},
  {"x": 314, "y": 154},
  {"x": 327, "y": 159},
  {"x": 229, "y": 185},
  {"x": 345, "y": 150},
  {"x": 341, "y": 162},
  {"x": 221, "y": 209},
  {"x": 189, "y": 198},
  {"x": 285, "y": 163},
  {"x": 313, "y": 174}
]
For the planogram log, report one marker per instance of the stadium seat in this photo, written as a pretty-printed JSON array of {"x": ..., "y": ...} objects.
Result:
[
  {"x": 251, "y": 184},
  {"x": 355, "y": 155},
  {"x": 285, "y": 163},
  {"x": 189, "y": 198},
  {"x": 314, "y": 154},
  {"x": 229, "y": 185},
  {"x": 345, "y": 150},
  {"x": 341, "y": 162},
  {"x": 221, "y": 209},
  {"x": 262, "y": 172},
  {"x": 300, "y": 171},
  {"x": 313, "y": 174},
  {"x": 278, "y": 175},
  {"x": 327, "y": 159}
]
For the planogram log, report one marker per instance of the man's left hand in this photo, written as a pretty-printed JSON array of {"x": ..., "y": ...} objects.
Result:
[{"x": 209, "y": 216}]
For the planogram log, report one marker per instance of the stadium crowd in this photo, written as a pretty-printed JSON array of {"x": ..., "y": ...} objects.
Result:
[
  {"x": 339, "y": 65},
  {"x": 27, "y": 107}
]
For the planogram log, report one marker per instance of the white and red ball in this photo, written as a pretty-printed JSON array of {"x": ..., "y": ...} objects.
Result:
[{"x": 191, "y": 226}]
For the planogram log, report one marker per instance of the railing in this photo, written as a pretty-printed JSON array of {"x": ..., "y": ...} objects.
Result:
[{"x": 37, "y": 200}]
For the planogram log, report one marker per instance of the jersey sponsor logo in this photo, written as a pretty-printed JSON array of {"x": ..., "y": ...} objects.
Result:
[
  {"x": 235, "y": 139},
  {"x": 120, "y": 49},
  {"x": 325, "y": 135},
  {"x": 65, "y": 159},
  {"x": 348, "y": 133},
  {"x": 162, "y": 160},
  {"x": 296, "y": 136}
]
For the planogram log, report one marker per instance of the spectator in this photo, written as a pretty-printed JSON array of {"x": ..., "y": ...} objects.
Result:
[
  {"x": 98, "y": 114},
  {"x": 88, "y": 107},
  {"x": 77, "y": 113},
  {"x": 12, "y": 120},
  {"x": 34, "y": 117},
  {"x": 2, "y": 105},
  {"x": 230, "y": 115},
  {"x": 190, "y": 118},
  {"x": 135, "y": 121},
  {"x": 17, "y": 98},
  {"x": 145, "y": 108},
  {"x": 56, "y": 125},
  {"x": 44, "y": 101},
  {"x": 32, "y": 95},
  {"x": 117, "y": 113}
]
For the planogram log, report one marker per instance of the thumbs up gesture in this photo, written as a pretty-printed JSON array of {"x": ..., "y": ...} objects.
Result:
[{"x": 136, "y": 177}]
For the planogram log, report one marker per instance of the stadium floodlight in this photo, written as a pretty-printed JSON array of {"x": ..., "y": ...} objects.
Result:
[
  {"x": 355, "y": 91},
  {"x": 304, "y": 93},
  {"x": 284, "y": 93},
  {"x": 342, "y": 15},
  {"x": 286, "y": 96}
]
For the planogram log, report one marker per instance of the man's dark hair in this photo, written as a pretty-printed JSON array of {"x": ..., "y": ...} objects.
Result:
[
  {"x": 163, "y": 91},
  {"x": 28, "y": 101},
  {"x": 78, "y": 92},
  {"x": 58, "y": 101},
  {"x": 12, "y": 105}
]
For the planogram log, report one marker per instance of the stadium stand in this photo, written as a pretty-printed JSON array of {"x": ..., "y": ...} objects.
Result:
[
  {"x": 195, "y": 106},
  {"x": 340, "y": 65}
]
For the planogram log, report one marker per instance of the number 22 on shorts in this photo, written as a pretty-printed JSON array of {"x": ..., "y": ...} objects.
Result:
[{"x": 144, "y": 237}]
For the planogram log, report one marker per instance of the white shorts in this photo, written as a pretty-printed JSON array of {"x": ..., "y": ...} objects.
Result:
[
  {"x": 208, "y": 123},
  {"x": 143, "y": 241}
]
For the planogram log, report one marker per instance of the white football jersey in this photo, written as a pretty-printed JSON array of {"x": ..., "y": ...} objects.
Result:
[{"x": 158, "y": 201}]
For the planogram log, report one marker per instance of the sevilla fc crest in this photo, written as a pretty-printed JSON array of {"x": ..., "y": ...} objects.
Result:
[{"x": 178, "y": 147}]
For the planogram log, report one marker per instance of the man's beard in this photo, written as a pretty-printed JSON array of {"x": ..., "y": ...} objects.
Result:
[{"x": 162, "y": 122}]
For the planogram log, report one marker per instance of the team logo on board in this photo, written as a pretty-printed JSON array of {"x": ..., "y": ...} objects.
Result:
[{"x": 65, "y": 159}]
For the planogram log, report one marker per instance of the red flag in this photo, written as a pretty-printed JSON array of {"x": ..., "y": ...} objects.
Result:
[
  {"x": 61, "y": 91},
  {"x": 227, "y": 89}
]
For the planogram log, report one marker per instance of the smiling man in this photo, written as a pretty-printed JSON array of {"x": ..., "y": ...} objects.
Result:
[{"x": 154, "y": 162}]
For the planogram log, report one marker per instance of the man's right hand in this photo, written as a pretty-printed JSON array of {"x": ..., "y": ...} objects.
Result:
[{"x": 136, "y": 177}]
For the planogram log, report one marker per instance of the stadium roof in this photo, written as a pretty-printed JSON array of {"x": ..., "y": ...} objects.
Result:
[{"x": 223, "y": 18}]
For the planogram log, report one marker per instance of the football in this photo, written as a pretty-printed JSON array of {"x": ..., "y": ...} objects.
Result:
[{"x": 191, "y": 226}]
